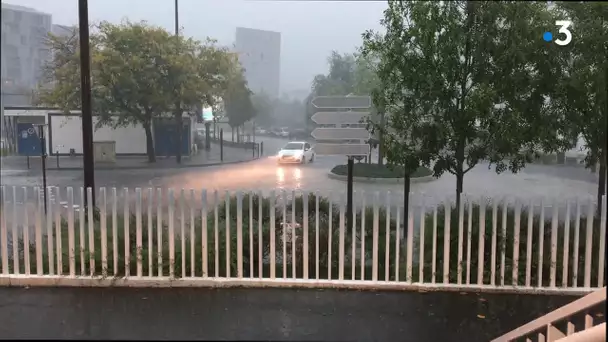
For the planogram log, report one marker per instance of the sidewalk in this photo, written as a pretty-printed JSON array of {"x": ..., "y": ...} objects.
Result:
[
  {"x": 201, "y": 159},
  {"x": 263, "y": 314}
]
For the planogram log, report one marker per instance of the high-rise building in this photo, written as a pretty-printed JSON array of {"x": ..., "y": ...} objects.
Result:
[
  {"x": 23, "y": 51},
  {"x": 64, "y": 31},
  {"x": 260, "y": 54}
]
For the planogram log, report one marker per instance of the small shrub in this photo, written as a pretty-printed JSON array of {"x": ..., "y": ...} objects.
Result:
[{"x": 224, "y": 233}]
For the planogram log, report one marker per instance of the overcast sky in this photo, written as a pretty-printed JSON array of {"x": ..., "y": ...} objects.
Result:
[{"x": 309, "y": 29}]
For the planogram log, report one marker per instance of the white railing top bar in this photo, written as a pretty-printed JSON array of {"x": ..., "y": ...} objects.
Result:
[
  {"x": 595, "y": 334},
  {"x": 568, "y": 310}
]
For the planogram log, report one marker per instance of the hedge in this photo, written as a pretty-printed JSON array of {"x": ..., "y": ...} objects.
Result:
[{"x": 378, "y": 171}]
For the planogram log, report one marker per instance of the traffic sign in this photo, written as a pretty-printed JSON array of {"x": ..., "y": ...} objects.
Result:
[
  {"x": 354, "y": 102},
  {"x": 336, "y": 118},
  {"x": 340, "y": 134},
  {"x": 341, "y": 149}
]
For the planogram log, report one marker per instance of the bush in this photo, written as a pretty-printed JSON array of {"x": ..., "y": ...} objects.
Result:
[
  {"x": 505, "y": 243},
  {"x": 378, "y": 171},
  {"x": 328, "y": 217}
]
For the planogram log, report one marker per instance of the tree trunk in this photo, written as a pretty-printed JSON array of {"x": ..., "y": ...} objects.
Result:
[
  {"x": 178, "y": 135},
  {"x": 459, "y": 172},
  {"x": 601, "y": 184},
  {"x": 149, "y": 143},
  {"x": 238, "y": 134},
  {"x": 232, "y": 131},
  {"x": 406, "y": 203},
  {"x": 459, "y": 181},
  {"x": 380, "y": 142}
]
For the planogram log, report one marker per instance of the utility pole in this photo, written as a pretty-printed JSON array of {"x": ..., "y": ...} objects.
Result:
[
  {"x": 85, "y": 91},
  {"x": 179, "y": 120},
  {"x": 176, "y": 19}
]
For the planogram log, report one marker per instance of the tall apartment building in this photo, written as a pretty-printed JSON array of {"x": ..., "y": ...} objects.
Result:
[
  {"x": 23, "y": 51},
  {"x": 260, "y": 54},
  {"x": 64, "y": 31}
]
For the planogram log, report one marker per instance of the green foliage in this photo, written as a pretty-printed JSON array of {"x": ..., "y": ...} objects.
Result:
[
  {"x": 583, "y": 87},
  {"x": 581, "y": 99},
  {"x": 139, "y": 73},
  {"x": 379, "y": 171},
  {"x": 264, "y": 109},
  {"x": 238, "y": 105},
  {"x": 348, "y": 74},
  {"x": 341, "y": 76},
  {"x": 504, "y": 242},
  {"x": 463, "y": 95},
  {"x": 60, "y": 84}
]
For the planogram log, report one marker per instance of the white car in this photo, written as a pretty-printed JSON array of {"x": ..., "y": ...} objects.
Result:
[{"x": 296, "y": 152}]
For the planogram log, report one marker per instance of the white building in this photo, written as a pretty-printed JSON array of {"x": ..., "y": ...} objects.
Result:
[
  {"x": 64, "y": 133},
  {"x": 260, "y": 54}
]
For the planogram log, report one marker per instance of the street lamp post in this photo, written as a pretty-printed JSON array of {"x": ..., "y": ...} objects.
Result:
[{"x": 40, "y": 132}]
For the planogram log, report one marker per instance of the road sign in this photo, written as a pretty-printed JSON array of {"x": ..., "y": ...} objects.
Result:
[
  {"x": 354, "y": 102},
  {"x": 333, "y": 118},
  {"x": 341, "y": 149},
  {"x": 340, "y": 134}
]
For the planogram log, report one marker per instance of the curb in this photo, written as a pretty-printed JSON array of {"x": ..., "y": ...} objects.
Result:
[
  {"x": 381, "y": 180},
  {"x": 176, "y": 166}
]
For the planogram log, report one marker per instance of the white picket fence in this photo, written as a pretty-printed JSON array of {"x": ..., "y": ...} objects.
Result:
[{"x": 284, "y": 239}]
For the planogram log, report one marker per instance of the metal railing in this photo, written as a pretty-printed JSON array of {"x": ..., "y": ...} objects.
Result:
[
  {"x": 559, "y": 325},
  {"x": 158, "y": 237}
]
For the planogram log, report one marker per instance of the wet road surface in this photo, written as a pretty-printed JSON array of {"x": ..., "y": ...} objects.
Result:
[
  {"x": 549, "y": 182},
  {"x": 263, "y": 314}
]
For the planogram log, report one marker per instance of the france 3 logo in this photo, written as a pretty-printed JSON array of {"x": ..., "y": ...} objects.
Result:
[{"x": 563, "y": 30}]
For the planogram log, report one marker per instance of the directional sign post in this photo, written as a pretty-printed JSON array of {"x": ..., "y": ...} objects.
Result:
[
  {"x": 333, "y": 118},
  {"x": 338, "y": 111},
  {"x": 340, "y": 134},
  {"x": 342, "y": 102}
]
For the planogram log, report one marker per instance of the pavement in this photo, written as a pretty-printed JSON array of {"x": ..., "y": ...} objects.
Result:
[
  {"x": 66, "y": 163},
  {"x": 263, "y": 314}
]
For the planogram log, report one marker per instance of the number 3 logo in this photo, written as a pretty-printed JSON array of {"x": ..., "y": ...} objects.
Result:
[{"x": 564, "y": 24}]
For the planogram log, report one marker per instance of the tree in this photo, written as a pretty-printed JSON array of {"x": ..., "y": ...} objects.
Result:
[
  {"x": 477, "y": 97},
  {"x": 264, "y": 109},
  {"x": 366, "y": 81},
  {"x": 582, "y": 97},
  {"x": 197, "y": 74},
  {"x": 237, "y": 100},
  {"x": 127, "y": 75},
  {"x": 60, "y": 84},
  {"x": 400, "y": 124},
  {"x": 339, "y": 80},
  {"x": 132, "y": 68}
]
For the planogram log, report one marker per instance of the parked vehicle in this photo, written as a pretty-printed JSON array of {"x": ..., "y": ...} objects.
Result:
[
  {"x": 284, "y": 132},
  {"x": 299, "y": 134}
]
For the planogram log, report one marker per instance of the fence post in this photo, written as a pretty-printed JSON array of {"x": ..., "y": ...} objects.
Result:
[{"x": 222, "y": 145}]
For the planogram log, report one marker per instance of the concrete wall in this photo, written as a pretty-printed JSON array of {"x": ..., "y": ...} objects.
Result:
[{"x": 66, "y": 131}]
